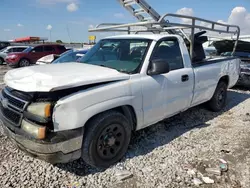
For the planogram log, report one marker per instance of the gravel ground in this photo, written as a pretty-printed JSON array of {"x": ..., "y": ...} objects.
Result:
[{"x": 164, "y": 155}]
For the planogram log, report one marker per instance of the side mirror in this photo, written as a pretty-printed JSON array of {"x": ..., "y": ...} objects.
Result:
[{"x": 158, "y": 66}]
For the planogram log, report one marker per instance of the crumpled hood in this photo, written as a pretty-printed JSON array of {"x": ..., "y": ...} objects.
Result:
[{"x": 59, "y": 76}]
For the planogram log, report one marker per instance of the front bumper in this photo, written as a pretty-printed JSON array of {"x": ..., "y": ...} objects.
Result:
[
  {"x": 12, "y": 62},
  {"x": 61, "y": 147}
]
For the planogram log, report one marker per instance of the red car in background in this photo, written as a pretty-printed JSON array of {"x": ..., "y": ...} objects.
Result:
[{"x": 32, "y": 54}]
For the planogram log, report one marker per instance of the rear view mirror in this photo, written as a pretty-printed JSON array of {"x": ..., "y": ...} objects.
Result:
[{"x": 158, "y": 66}]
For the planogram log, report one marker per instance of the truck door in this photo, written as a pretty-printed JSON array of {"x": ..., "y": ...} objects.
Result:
[{"x": 178, "y": 83}]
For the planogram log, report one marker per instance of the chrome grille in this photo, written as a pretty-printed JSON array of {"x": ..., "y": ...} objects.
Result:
[
  {"x": 13, "y": 100},
  {"x": 12, "y": 116},
  {"x": 12, "y": 107}
]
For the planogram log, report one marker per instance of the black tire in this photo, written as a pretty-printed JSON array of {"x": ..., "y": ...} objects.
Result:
[
  {"x": 218, "y": 101},
  {"x": 106, "y": 139},
  {"x": 1, "y": 61},
  {"x": 24, "y": 63}
]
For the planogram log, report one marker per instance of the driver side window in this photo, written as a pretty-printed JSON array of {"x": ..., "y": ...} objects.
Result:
[{"x": 169, "y": 50}]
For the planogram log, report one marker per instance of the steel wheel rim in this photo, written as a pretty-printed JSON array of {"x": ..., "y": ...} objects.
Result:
[
  {"x": 110, "y": 141},
  {"x": 221, "y": 97}
]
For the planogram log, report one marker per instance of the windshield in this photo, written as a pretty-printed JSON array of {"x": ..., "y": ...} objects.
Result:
[
  {"x": 124, "y": 55},
  {"x": 28, "y": 49},
  {"x": 70, "y": 56}
]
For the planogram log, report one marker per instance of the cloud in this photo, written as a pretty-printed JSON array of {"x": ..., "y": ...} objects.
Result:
[
  {"x": 19, "y": 25},
  {"x": 241, "y": 17},
  {"x": 119, "y": 15},
  {"x": 49, "y": 27},
  {"x": 91, "y": 26},
  {"x": 72, "y": 7},
  {"x": 222, "y": 22},
  {"x": 185, "y": 11},
  {"x": 7, "y": 30},
  {"x": 53, "y": 2}
]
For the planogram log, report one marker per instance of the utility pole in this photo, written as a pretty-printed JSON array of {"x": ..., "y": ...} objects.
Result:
[
  {"x": 50, "y": 35},
  {"x": 68, "y": 34}
]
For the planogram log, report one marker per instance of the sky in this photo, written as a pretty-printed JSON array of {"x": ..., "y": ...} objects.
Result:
[{"x": 69, "y": 20}]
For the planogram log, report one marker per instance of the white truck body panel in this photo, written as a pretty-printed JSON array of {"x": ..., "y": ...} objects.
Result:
[
  {"x": 76, "y": 109},
  {"x": 208, "y": 76},
  {"x": 59, "y": 76},
  {"x": 153, "y": 98}
]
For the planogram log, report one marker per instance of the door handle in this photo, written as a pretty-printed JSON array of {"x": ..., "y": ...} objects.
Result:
[{"x": 184, "y": 78}]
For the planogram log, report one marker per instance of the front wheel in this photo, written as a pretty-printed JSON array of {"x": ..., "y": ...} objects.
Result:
[
  {"x": 24, "y": 63},
  {"x": 218, "y": 101},
  {"x": 106, "y": 139}
]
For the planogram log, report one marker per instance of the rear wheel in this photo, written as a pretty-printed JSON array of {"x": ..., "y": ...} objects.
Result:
[
  {"x": 218, "y": 101},
  {"x": 24, "y": 63},
  {"x": 106, "y": 139}
]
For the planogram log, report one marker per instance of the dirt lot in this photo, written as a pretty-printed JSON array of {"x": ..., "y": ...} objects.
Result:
[{"x": 170, "y": 154}]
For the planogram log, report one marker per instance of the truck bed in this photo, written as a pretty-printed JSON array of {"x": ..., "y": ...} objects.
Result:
[
  {"x": 208, "y": 73},
  {"x": 213, "y": 60}
]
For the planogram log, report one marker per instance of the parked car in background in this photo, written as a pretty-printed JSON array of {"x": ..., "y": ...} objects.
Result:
[
  {"x": 47, "y": 59},
  {"x": 71, "y": 56},
  {"x": 32, "y": 54},
  {"x": 5, "y": 51},
  {"x": 244, "y": 79},
  {"x": 4, "y": 44},
  {"x": 68, "y": 56}
]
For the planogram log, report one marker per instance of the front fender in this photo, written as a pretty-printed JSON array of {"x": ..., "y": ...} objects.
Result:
[{"x": 66, "y": 117}]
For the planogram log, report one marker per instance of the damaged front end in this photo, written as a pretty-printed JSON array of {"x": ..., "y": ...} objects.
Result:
[{"x": 27, "y": 121}]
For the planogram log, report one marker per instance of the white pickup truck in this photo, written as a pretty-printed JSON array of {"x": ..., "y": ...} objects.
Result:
[{"x": 61, "y": 112}]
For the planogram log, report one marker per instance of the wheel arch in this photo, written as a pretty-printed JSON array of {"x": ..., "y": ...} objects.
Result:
[
  {"x": 72, "y": 115},
  {"x": 225, "y": 79},
  {"x": 127, "y": 110}
]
